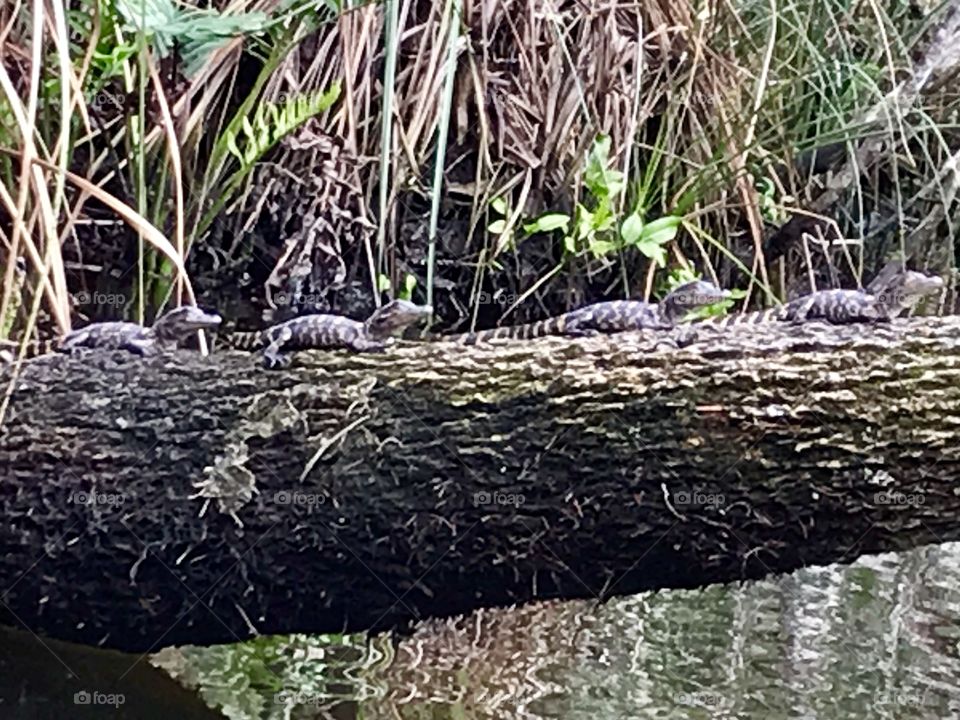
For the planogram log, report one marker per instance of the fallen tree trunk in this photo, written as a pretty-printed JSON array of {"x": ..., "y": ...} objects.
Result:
[{"x": 176, "y": 500}]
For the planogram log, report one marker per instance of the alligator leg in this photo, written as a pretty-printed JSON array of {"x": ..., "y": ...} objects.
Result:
[
  {"x": 578, "y": 325},
  {"x": 581, "y": 332},
  {"x": 364, "y": 345},
  {"x": 141, "y": 346},
  {"x": 73, "y": 341},
  {"x": 271, "y": 353}
]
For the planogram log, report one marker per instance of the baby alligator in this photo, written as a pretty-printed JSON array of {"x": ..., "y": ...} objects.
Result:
[
  {"x": 331, "y": 331},
  {"x": 607, "y": 317},
  {"x": 167, "y": 333},
  {"x": 880, "y": 302}
]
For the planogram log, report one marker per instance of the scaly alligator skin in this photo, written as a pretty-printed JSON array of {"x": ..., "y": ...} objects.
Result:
[
  {"x": 606, "y": 317},
  {"x": 331, "y": 331},
  {"x": 167, "y": 333},
  {"x": 882, "y": 301}
]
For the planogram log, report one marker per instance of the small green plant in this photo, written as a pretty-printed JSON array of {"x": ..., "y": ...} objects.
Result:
[
  {"x": 595, "y": 227},
  {"x": 650, "y": 238},
  {"x": 409, "y": 285},
  {"x": 272, "y": 122},
  {"x": 548, "y": 223},
  {"x": 197, "y": 32},
  {"x": 248, "y": 141},
  {"x": 405, "y": 292},
  {"x": 771, "y": 210},
  {"x": 499, "y": 226}
]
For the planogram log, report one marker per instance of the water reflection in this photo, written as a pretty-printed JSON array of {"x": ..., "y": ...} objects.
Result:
[{"x": 877, "y": 639}]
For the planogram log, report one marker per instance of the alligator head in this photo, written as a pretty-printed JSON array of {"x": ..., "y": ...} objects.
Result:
[
  {"x": 689, "y": 296},
  {"x": 178, "y": 323},
  {"x": 394, "y": 317},
  {"x": 904, "y": 290}
]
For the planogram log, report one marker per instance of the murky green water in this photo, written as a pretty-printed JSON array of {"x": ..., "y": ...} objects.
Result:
[{"x": 877, "y": 639}]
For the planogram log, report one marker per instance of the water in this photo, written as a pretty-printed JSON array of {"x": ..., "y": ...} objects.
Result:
[{"x": 876, "y": 639}]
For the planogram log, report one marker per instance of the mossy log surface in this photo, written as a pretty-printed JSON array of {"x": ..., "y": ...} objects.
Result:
[{"x": 187, "y": 499}]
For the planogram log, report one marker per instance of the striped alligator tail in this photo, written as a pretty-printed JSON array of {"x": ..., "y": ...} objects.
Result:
[
  {"x": 541, "y": 328},
  {"x": 243, "y": 340},
  {"x": 756, "y": 317}
]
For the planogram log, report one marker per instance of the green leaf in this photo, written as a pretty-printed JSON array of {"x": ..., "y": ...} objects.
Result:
[
  {"x": 615, "y": 183},
  {"x": 231, "y": 141},
  {"x": 600, "y": 179},
  {"x": 499, "y": 204},
  {"x": 658, "y": 237},
  {"x": 597, "y": 159},
  {"x": 197, "y": 32},
  {"x": 679, "y": 277},
  {"x": 262, "y": 127},
  {"x": 383, "y": 283},
  {"x": 654, "y": 251},
  {"x": 656, "y": 227},
  {"x": 600, "y": 248},
  {"x": 584, "y": 223},
  {"x": 548, "y": 223},
  {"x": 603, "y": 217},
  {"x": 766, "y": 187},
  {"x": 631, "y": 229},
  {"x": 705, "y": 311},
  {"x": 271, "y": 122},
  {"x": 497, "y": 227},
  {"x": 248, "y": 129},
  {"x": 650, "y": 238},
  {"x": 409, "y": 284}
]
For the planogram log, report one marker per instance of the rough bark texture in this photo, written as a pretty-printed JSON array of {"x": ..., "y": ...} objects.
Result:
[{"x": 353, "y": 492}]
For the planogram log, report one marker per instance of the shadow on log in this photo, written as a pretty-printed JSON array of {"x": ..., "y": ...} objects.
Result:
[{"x": 182, "y": 499}]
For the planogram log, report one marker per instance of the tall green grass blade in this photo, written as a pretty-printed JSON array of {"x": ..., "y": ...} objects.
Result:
[{"x": 452, "y": 12}]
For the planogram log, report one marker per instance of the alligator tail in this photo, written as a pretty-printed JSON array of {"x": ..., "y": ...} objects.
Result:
[
  {"x": 540, "y": 328},
  {"x": 243, "y": 340},
  {"x": 758, "y": 317}
]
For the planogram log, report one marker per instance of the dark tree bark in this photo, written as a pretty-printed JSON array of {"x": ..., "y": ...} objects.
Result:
[{"x": 355, "y": 492}]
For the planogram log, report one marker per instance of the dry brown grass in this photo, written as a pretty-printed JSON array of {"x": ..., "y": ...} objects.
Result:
[{"x": 698, "y": 108}]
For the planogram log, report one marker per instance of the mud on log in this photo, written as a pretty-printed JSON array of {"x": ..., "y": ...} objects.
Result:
[{"x": 203, "y": 500}]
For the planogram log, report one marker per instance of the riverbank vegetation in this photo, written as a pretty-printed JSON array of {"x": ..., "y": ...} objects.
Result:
[{"x": 536, "y": 155}]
